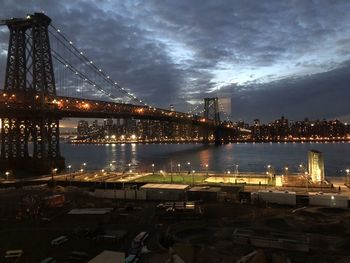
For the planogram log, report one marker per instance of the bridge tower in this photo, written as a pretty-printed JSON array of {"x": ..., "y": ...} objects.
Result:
[
  {"x": 30, "y": 82},
  {"x": 211, "y": 111}
]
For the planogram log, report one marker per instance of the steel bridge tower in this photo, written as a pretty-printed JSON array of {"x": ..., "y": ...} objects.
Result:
[
  {"x": 30, "y": 81},
  {"x": 211, "y": 111}
]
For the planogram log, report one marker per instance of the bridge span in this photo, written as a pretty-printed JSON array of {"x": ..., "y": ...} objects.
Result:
[{"x": 31, "y": 108}]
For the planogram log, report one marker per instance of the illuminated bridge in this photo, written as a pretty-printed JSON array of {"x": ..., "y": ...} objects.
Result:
[{"x": 33, "y": 101}]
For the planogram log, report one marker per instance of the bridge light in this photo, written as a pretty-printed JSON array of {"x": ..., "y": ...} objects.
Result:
[
  {"x": 81, "y": 53},
  {"x": 100, "y": 70},
  {"x": 66, "y": 65},
  {"x": 107, "y": 77},
  {"x": 86, "y": 106},
  {"x": 58, "y": 30},
  {"x": 70, "y": 42},
  {"x": 91, "y": 62}
]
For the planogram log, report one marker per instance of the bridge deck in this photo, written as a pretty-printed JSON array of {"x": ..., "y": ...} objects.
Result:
[{"x": 15, "y": 105}]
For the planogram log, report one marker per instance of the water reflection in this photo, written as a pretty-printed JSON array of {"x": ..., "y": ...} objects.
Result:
[{"x": 249, "y": 157}]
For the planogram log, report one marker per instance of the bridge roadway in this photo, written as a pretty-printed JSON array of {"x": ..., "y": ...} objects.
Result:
[{"x": 13, "y": 105}]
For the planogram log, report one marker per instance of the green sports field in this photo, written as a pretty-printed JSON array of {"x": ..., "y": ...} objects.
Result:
[{"x": 182, "y": 178}]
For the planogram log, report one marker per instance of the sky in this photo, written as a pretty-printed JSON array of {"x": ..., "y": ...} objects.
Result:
[{"x": 264, "y": 59}]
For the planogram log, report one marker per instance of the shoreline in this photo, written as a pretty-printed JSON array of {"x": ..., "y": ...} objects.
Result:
[{"x": 211, "y": 142}]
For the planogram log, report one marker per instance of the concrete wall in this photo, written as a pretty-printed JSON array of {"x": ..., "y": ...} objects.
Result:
[
  {"x": 164, "y": 195},
  {"x": 278, "y": 197},
  {"x": 328, "y": 200},
  {"x": 154, "y": 194},
  {"x": 238, "y": 180}
]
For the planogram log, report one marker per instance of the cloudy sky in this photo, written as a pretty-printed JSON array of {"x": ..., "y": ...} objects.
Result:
[{"x": 270, "y": 58}]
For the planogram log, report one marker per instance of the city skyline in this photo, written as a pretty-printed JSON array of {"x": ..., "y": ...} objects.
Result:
[{"x": 269, "y": 58}]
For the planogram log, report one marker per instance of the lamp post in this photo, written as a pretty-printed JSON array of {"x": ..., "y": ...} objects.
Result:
[
  {"x": 236, "y": 170},
  {"x": 193, "y": 171},
  {"x": 83, "y": 166},
  {"x": 178, "y": 167},
  {"x": 347, "y": 175},
  {"x": 206, "y": 168},
  {"x": 153, "y": 168},
  {"x": 307, "y": 181},
  {"x": 189, "y": 167},
  {"x": 54, "y": 170},
  {"x": 7, "y": 173}
]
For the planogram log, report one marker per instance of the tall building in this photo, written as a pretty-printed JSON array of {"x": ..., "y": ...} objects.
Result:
[
  {"x": 316, "y": 166},
  {"x": 83, "y": 128}
]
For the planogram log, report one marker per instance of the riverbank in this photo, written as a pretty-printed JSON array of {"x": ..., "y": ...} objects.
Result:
[{"x": 97, "y": 142}]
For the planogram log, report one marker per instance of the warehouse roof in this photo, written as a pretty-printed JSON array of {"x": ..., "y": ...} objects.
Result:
[
  {"x": 165, "y": 186},
  {"x": 108, "y": 257}
]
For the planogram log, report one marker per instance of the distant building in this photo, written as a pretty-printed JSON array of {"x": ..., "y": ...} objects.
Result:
[
  {"x": 316, "y": 166},
  {"x": 83, "y": 128}
]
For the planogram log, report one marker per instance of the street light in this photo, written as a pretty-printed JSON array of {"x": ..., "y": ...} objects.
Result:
[
  {"x": 307, "y": 181},
  {"x": 178, "y": 167},
  {"x": 69, "y": 167},
  {"x": 153, "y": 168},
  {"x": 347, "y": 175},
  {"x": 189, "y": 167},
  {"x": 111, "y": 167},
  {"x": 54, "y": 170},
  {"x": 193, "y": 171},
  {"x": 7, "y": 175},
  {"x": 206, "y": 168},
  {"x": 268, "y": 172}
]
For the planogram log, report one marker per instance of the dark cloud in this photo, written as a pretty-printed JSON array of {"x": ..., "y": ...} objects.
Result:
[
  {"x": 271, "y": 57},
  {"x": 318, "y": 96}
]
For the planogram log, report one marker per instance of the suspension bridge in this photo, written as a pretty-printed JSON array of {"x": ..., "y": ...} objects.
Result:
[{"x": 33, "y": 101}]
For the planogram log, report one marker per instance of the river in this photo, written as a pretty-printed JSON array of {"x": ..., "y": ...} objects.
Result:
[{"x": 244, "y": 157}]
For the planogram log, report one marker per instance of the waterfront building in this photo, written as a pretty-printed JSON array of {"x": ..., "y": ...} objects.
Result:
[{"x": 316, "y": 166}]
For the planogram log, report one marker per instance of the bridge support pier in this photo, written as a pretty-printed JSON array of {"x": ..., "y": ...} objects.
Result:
[
  {"x": 19, "y": 135},
  {"x": 29, "y": 122}
]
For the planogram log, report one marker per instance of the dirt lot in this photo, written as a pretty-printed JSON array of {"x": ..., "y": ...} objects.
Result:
[{"x": 195, "y": 237}]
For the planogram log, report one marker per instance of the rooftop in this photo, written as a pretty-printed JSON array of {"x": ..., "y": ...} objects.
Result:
[{"x": 165, "y": 186}]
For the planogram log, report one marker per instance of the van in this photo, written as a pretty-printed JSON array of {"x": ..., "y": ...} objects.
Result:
[
  {"x": 48, "y": 260},
  {"x": 78, "y": 256},
  {"x": 131, "y": 259},
  {"x": 139, "y": 240},
  {"x": 58, "y": 241},
  {"x": 13, "y": 253}
]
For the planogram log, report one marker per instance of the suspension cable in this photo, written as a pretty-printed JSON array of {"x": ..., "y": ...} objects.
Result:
[{"x": 92, "y": 65}]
